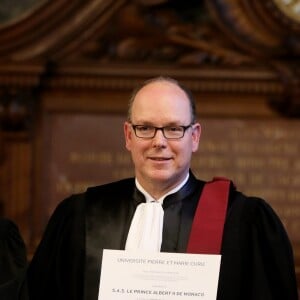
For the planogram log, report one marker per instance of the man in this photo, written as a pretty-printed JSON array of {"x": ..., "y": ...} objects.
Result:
[{"x": 161, "y": 133}]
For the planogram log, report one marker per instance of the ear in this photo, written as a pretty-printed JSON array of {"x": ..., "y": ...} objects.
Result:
[
  {"x": 196, "y": 134},
  {"x": 128, "y": 135}
]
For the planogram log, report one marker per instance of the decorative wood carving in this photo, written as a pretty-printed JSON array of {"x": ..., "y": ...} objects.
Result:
[
  {"x": 84, "y": 38},
  {"x": 53, "y": 27},
  {"x": 147, "y": 23},
  {"x": 257, "y": 27}
]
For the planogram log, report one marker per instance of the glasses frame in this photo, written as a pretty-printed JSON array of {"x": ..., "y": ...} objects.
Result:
[{"x": 185, "y": 128}]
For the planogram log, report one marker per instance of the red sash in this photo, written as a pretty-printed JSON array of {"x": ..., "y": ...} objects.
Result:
[{"x": 208, "y": 224}]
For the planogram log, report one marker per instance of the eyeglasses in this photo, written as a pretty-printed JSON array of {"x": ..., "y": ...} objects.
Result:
[{"x": 171, "y": 132}]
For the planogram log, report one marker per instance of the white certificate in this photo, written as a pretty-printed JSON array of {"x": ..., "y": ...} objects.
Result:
[{"x": 127, "y": 275}]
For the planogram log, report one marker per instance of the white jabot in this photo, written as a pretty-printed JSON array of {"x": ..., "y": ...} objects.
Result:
[
  {"x": 146, "y": 227},
  {"x": 145, "y": 232}
]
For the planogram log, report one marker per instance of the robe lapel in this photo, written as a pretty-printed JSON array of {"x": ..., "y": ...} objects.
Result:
[
  {"x": 179, "y": 209},
  {"x": 189, "y": 205},
  {"x": 187, "y": 215}
]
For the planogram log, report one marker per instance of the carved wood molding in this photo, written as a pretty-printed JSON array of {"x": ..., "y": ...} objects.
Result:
[
  {"x": 19, "y": 84},
  {"x": 125, "y": 77},
  {"x": 289, "y": 103},
  {"x": 21, "y": 74}
]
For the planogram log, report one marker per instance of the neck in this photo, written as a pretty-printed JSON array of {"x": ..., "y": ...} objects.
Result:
[{"x": 157, "y": 190}]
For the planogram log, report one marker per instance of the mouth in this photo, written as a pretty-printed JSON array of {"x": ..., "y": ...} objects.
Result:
[{"x": 160, "y": 158}]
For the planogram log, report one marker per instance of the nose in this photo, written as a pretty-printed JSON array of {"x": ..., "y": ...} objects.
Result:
[{"x": 159, "y": 140}]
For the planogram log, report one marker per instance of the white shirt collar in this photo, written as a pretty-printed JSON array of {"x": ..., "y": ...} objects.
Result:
[{"x": 149, "y": 198}]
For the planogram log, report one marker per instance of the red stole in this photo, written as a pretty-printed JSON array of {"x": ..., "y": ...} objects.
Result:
[{"x": 208, "y": 224}]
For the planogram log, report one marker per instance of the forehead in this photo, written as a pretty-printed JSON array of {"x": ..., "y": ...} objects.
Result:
[{"x": 163, "y": 101}]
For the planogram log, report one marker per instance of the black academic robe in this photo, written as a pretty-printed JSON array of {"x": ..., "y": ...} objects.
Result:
[{"x": 257, "y": 259}]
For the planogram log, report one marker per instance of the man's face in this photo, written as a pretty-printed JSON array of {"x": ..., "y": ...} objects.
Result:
[{"x": 158, "y": 160}]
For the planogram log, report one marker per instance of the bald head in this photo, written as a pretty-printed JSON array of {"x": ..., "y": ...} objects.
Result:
[{"x": 162, "y": 79}]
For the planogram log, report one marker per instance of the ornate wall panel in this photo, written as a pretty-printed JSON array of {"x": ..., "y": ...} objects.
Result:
[{"x": 239, "y": 57}]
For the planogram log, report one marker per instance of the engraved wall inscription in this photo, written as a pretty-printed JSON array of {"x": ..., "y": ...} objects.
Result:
[{"x": 260, "y": 156}]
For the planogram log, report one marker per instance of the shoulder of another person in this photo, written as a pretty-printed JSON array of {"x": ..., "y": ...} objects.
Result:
[{"x": 7, "y": 226}]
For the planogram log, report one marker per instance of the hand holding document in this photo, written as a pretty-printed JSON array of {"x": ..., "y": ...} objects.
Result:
[{"x": 130, "y": 275}]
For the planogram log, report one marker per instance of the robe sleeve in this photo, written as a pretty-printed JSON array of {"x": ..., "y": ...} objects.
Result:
[
  {"x": 272, "y": 256},
  {"x": 257, "y": 257},
  {"x": 56, "y": 269}
]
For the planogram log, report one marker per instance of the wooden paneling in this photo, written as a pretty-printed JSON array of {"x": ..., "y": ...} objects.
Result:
[{"x": 16, "y": 181}]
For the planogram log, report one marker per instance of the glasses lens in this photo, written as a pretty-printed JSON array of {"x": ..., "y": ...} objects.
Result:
[
  {"x": 144, "y": 131},
  {"x": 173, "y": 132}
]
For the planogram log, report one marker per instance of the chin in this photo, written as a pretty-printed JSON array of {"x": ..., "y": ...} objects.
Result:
[{"x": 161, "y": 175}]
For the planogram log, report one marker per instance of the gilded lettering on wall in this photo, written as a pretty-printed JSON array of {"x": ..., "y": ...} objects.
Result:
[{"x": 262, "y": 158}]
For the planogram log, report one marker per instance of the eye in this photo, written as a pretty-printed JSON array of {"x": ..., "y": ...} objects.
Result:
[
  {"x": 144, "y": 128},
  {"x": 173, "y": 129}
]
